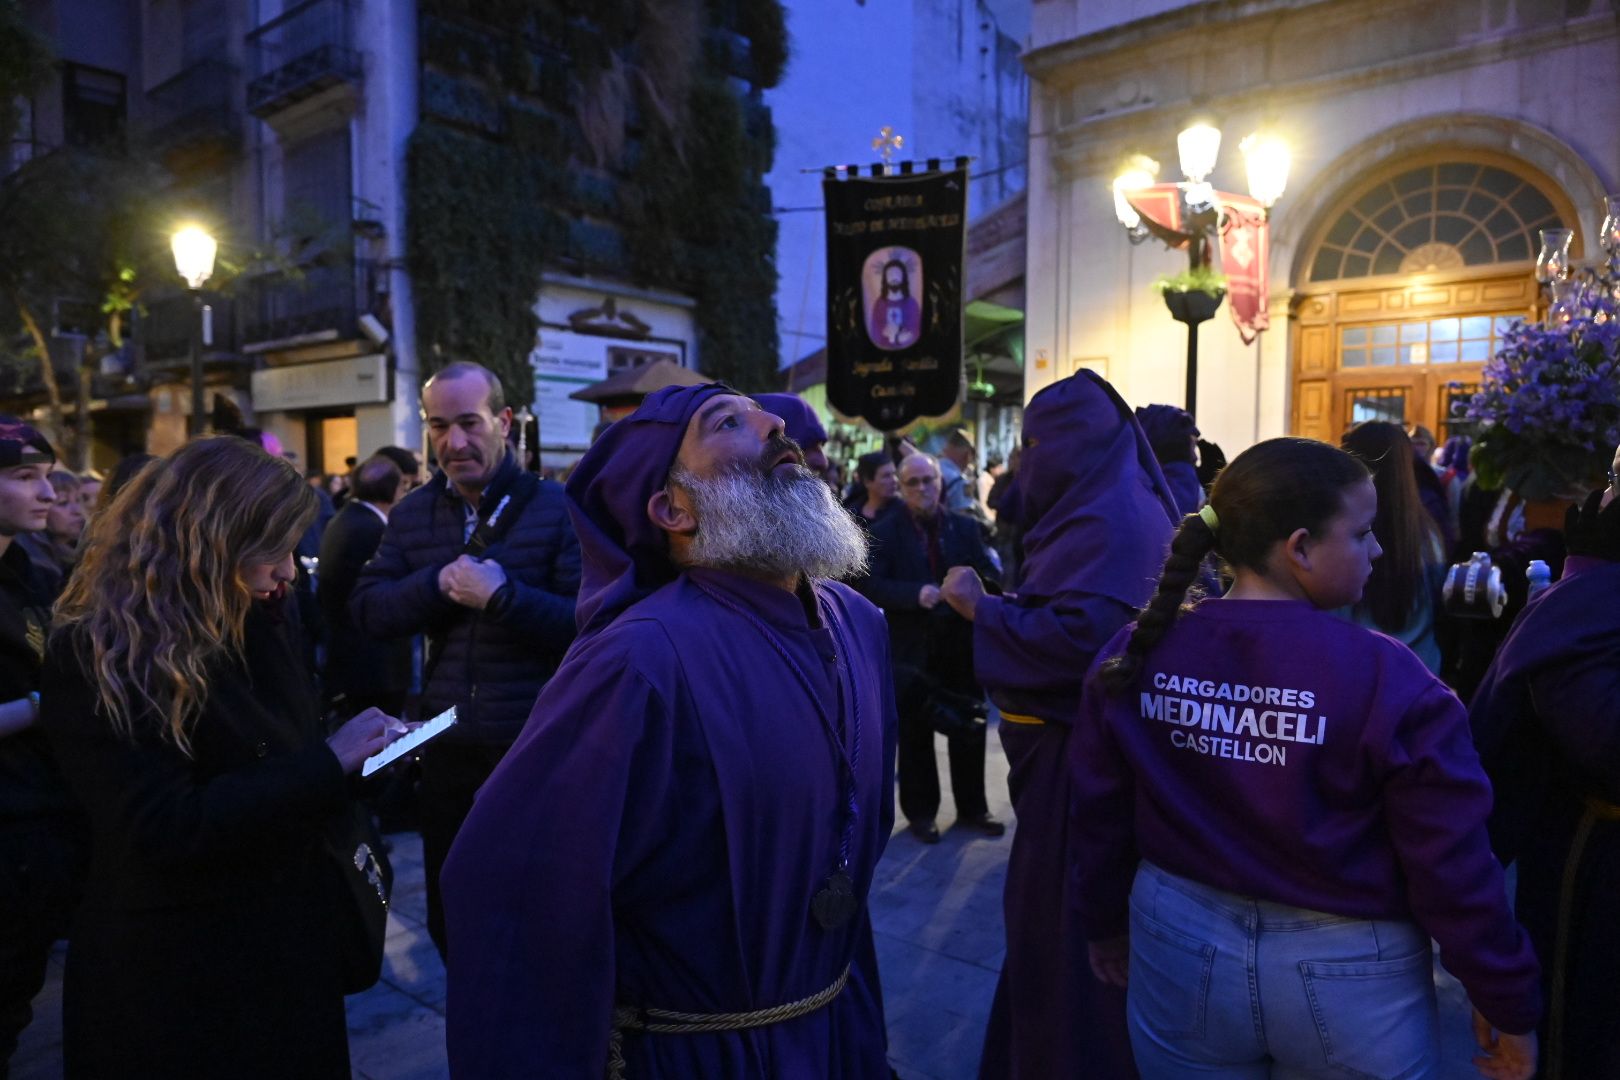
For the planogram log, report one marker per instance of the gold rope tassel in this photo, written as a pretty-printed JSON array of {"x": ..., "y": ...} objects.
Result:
[{"x": 669, "y": 1022}]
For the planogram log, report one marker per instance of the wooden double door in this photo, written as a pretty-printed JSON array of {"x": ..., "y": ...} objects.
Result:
[
  {"x": 1408, "y": 353},
  {"x": 1434, "y": 399}
]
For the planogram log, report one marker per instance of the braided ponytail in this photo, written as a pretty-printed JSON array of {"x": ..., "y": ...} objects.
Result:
[
  {"x": 1193, "y": 540},
  {"x": 1261, "y": 498}
]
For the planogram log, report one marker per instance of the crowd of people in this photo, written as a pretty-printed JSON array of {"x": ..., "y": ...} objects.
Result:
[{"x": 1257, "y": 762}]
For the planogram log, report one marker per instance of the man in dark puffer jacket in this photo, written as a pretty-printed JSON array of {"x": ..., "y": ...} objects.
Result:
[{"x": 498, "y": 621}]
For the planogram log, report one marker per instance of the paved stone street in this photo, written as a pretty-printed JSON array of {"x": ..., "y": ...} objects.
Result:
[{"x": 937, "y": 915}]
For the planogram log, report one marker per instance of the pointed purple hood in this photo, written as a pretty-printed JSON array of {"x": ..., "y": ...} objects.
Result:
[
  {"x": 624, "y": 556},
  {"x": 803, "y": 425},
  {"x": 1096, "y": 511}
]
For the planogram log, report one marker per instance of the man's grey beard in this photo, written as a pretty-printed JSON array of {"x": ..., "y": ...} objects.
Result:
[{"x": 772, "y": 526}]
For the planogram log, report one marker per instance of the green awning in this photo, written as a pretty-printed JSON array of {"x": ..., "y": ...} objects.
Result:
[{"x": 983, "y": 320}]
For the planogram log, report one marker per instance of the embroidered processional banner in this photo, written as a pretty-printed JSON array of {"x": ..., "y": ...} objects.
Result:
[{"x": 895, "y": 251}]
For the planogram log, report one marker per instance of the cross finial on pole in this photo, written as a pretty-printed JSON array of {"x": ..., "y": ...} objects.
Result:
[{"x": 887, "y": 142}]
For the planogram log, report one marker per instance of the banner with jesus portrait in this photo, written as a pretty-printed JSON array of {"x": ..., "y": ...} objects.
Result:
[{"x": 895, "y": 251}]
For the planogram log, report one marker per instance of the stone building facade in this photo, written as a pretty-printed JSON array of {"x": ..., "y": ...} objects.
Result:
[{"x": 1431, "y": 141}]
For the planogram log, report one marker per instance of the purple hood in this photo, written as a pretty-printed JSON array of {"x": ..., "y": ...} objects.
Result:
[
  {"x": 623, "y": 555},
  {"x": 1096, "y": 511},
  {"x": 803, "y": 425}
]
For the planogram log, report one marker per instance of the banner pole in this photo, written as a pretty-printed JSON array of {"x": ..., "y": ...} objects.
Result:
[{"x": 877, "y": 167}]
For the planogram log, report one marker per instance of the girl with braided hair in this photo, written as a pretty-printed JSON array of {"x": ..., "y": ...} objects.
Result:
[{"x": 1275, "y": 809}]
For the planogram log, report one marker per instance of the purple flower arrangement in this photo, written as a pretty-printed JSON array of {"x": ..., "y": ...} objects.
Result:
[{"x": 1548, "y": 408}]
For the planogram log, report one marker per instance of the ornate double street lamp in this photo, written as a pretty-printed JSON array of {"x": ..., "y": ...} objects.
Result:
[
  {"x": 1192, "y": 214},
  {"x": 194, "y": 252}
]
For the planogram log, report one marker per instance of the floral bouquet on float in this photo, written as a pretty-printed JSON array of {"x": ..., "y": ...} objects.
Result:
[{"x": 1547, "y": 413}]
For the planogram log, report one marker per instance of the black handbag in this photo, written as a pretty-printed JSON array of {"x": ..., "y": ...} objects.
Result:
[{"x": 363, "y": 882}]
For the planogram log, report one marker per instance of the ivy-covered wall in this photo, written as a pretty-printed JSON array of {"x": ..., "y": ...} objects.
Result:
[{"x": 620, "y": 138}]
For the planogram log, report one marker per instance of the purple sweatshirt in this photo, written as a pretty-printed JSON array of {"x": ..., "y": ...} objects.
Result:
[{"x": 1274, "y": 751}]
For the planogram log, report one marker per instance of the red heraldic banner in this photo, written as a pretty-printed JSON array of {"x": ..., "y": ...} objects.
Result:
[
  {"x": 1160, "y": 208},
  {"x": 1245, "y": 240}
]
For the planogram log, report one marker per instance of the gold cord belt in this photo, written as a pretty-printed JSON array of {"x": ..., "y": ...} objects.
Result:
[
  {"x": 670, "y": 1022},
  {"x": 1020, "y": 718}
]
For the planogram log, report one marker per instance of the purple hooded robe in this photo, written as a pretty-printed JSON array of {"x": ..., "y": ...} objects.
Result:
[
  {"x": 1098, "y": 518},
  {"x": 656, "y": 835},
  {"x": 1170, "y": 433},
  {"x": 1546, "y": 720},
  {"x": 803, "y": 425}
]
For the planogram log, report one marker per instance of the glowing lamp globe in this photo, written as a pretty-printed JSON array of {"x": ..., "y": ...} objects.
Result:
[
  {"x": 1139, "y": 173},
  {"x": 1266, "y": 158},
  {"x": 194, "y": 252},
  {"x": 1198, "y": 147}
]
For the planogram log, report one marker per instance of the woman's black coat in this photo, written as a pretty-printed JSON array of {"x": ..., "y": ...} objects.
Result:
[{"x": 205, "y": 944}]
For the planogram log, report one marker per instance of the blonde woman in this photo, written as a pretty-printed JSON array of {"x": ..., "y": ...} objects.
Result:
[{"x": 177, "y": 702}]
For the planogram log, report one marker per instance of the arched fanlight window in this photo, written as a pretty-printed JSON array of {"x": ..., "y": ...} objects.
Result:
[{"x": 1442, "y": 216}]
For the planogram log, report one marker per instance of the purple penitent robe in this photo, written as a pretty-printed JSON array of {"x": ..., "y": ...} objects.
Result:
[
  {"x": 1546, "y": 720},
  {"x": 1098, "y": 518},
  {"x": 798, "y": 417},
  {"x": 657, "y": 833}
]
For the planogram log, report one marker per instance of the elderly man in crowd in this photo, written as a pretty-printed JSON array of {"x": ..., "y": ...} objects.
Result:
[
  {"x": 932, "y": 648},
  {"x": 483, "y": 561},
  {"x": 668, "y": 874}
]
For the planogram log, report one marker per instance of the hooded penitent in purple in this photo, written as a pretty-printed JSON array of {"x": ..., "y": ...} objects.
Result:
[
  {"x": 655, "y": 837},
  {"x": 1172, "y": 434},
  {"x": 803, "y": 425},
  {"x": 1098, "y": 518},
  {"x": 1547, "y": 723}
]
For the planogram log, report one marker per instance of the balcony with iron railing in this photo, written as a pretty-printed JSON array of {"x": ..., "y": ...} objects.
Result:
[
  {"x": 22, "y": 382},
  {"x": 322, "y": 302},
  {"x": 300, "y": 53},
  {"x": 197, "y": 106},
  {"x": 168, "y": 324}
]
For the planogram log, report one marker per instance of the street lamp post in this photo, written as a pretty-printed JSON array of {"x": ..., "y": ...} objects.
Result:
[
  {"x": 194, "y": 252},
  {"x": 1194, "y": 213}
]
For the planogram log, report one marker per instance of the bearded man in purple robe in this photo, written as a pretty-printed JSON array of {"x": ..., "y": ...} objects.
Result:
[
  {"x": 1097, "y": 518},
  {"x": 667, "y": 875}
]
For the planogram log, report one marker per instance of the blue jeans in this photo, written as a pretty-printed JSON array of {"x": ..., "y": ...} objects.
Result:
[{"x": 1225, "y": 986}]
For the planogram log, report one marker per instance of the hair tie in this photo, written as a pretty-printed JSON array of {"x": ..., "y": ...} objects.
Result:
[{"x": 1211, "y": 518}]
